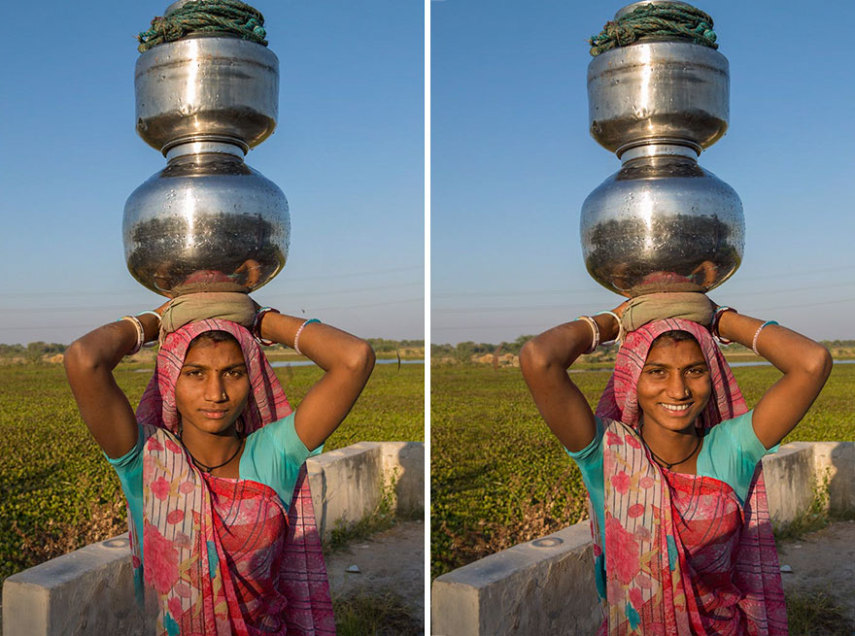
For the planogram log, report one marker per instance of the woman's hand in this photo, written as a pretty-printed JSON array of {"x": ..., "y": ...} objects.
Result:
[
  {"x": 544, "y": 361},
  {"x": 89, "y": 363},
  {"x": 805, "y": 364},
  {"x": 346, "y": 360}
]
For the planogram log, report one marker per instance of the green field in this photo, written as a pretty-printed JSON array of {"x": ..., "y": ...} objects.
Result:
[
  {"x": 58, "y": 493},
  {"x": 499, "y": 477}
]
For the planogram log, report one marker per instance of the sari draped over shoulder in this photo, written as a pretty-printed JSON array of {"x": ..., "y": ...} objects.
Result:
[
  {"x": 223, "y": 556},
  {"x": 682, "y": 554}
]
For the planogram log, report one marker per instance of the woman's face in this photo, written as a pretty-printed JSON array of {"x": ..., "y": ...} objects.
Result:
[
  {"x": 213, "y": 387},
  {"x": 674, "y": 386}
]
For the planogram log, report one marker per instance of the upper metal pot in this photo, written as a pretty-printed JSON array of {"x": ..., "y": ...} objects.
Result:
[
  {"x": 662, "y": 223},
  {"x": 206, "y": 88},
  {"x": 658, "y": 92},
  {"x": 207, "y": 222}
]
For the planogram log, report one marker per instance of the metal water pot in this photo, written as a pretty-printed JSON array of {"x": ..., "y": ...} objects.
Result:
[
  {"x": 207, "y": 222},
  {"x": 206, "y": 88},
  {"x": 661, "y": 223}
]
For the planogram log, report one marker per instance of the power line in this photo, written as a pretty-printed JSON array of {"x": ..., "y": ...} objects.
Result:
[{"x": 107, "y": 292}]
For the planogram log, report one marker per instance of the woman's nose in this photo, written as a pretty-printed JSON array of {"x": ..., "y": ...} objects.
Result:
[
  {"x": 215, "y": 389},
  {"x": 677, "y": 387}
]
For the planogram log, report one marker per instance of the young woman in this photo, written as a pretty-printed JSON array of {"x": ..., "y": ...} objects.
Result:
[
  {"x": 210, "y": 462},
  {"x": 683, "y": 542}
]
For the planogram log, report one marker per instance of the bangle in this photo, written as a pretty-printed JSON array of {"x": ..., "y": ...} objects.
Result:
[
  {"x": 140, "y": 333},
  {"x": 256, "y": 326},
  {"x": 150, "y": 313},
  {"x": 595, "y": 329},
  {"x": 714, "y": 324},
  {"x": 299, "y": 331},
  {"x": 620, "y": 332},
  {"x": 151, "y": 343},
  {"x": 757, "y": 335}
]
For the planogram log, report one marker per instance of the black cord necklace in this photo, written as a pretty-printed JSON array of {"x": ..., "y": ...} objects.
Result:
[
  {"x": 659, "y": 460},
  {"x": 204, "y": 467}
]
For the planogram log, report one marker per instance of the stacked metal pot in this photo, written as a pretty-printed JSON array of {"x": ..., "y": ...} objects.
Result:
[
  {"x": 662, "y": 222},
  {"x": 206, "y": 222}
]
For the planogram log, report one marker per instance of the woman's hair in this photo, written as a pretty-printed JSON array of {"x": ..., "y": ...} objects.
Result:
[
  {"x": 212, "y": 336},
  {"x": 675, "y": 335}
]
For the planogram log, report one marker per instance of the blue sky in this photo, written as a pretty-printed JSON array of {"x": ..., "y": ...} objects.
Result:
[
  {"x": 512, "y": 162},
  {"x": 348, "y": 152}
]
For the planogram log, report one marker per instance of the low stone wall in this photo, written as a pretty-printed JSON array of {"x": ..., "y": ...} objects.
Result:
[
  {"x": 90, "y": 591},
  {"x": 547, "y": 586}
]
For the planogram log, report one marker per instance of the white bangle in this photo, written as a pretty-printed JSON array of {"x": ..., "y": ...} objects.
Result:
[
  {"x": 151, "y": 343},
  {"x": 595, "y": 329},
  {"x": 140, "y": 333},
  {"x": 757, "y": 335},
  {"x": 299, "y": 331},
  {"x": 620, "y": 332}
]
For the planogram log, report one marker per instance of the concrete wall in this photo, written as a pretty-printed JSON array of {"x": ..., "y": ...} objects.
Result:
[
  {"x": 90, "y": 591},
  {"x": 347, "y": 484},
  {"x": 546, "y": 586}
]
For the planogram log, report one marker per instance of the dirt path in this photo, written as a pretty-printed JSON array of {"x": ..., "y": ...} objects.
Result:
[
  {"x": 388, "y": 561},
  {"x": 823, "y": 560}
]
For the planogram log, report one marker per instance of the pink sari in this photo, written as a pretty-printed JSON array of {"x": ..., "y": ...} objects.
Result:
[
  {"x": 683, "y": 555},
  {"x": 224, "y": 556}
]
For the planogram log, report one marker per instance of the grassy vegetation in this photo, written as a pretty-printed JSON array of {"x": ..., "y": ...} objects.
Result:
[
  {"x": 499, "y": 477},
  {"x": 58, "y": 493},
  {"x": 375, "y": 615},
  {"x": 816, "y": 614}
]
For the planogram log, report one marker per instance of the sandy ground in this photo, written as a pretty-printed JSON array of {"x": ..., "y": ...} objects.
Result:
[
  {"x": 392, "y": 560},
  {"x": 823, "y": 560}
]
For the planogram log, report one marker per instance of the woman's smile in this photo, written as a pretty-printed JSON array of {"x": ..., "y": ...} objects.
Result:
[
  {"x": 676, "y": 408},
  {"x": 674, "y": 386}
]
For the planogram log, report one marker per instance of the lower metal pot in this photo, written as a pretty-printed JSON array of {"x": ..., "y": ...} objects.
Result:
[
  {"x": 207, "y": 222},
  {"x": 662, "y": 223}
]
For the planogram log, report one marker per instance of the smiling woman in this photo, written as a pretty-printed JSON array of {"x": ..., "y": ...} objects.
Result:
[
  {"x": 212, "y": 461},
  {"x": 670, "y": 460}
]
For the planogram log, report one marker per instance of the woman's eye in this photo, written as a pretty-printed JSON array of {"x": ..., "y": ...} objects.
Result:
[
  {"x": 235, "y": 373},
  {"x": 697, "y": 371}
]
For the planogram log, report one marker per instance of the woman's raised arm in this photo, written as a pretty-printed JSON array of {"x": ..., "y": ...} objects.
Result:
[
  {"x": 805, "y": 364},
  {"x": 544, "y": 361},
  {"x": 89, "y": 364},
  {"x": 346, "y": 360}
]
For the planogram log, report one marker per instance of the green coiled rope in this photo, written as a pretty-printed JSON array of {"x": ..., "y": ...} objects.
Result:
[
  {"x": 206, "y": 16},
  {"x": 664, "y": 19}
]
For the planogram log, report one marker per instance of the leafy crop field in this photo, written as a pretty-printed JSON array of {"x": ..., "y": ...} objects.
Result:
[
  {"x": 499, "y": 477},
  {"x": 58, "y": 493}
]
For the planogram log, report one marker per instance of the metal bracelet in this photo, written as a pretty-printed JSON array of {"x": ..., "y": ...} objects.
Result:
[
  {"x": 714, "y": 324},
  {"x": 595, "y": 329},
  {"x": 256, "y": 326},
  {"x": 620, "y": 331},
  {"x": 140, "y": 333}
]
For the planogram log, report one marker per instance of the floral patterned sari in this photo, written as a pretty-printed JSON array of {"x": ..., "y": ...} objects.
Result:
[
  {"x": 224, "y": 556},
  {"x": 683, "y": 555}
]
